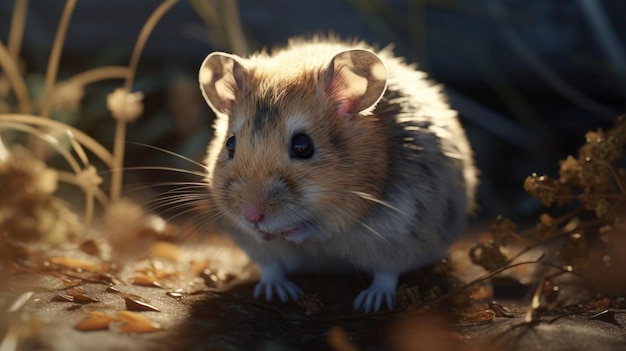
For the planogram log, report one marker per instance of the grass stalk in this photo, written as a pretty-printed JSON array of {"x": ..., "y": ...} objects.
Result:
[
  {"x": 120, "y": 128},
  {"x": 16, "y": 33}
]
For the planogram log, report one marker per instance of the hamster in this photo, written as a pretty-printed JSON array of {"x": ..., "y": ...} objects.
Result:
[{"x": 329, "y": 156}]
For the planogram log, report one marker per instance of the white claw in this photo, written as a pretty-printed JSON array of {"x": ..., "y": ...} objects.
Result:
[
  {"x": 382, "y": 290},
  {"x": 273, "y": 281},
  {"x": 285, "y": 291}
]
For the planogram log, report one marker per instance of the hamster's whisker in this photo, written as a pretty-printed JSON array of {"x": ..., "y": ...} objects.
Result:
[
  {"x": 150, "y": 185},
  {"x": 373, "y": 231},
  {"x": 169, "y": 153},
  {"x": 171, "y": 203},
  {"x": 366, "y": 196},
  {"x": 156, "y": 168}
]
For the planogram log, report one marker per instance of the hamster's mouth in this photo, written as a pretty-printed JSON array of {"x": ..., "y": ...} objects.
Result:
[{"x": 296, "y": 234}]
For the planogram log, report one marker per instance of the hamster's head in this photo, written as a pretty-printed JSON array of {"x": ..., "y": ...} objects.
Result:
[{"x": 297, "y": 154}]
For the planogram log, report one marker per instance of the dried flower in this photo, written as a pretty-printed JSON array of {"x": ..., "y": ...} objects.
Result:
[
  {"x": 67, "y": 96},
  {"x": 124, "y": 105},
  {"x": 502, "y": 229},
  {"x": 542, "y": 188},
  {"x": 569, "y": 172},
  {"x": 89, "y": 178},
  {"x": 488, "y": 256},
  {"x": 28, "y": 209}
]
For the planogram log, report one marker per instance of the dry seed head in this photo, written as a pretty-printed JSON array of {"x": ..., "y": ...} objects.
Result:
[{"x": 124, "y": 105}]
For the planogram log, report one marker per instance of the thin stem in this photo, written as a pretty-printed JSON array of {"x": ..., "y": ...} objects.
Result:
[
  {"x": 70, "y": 178},
  {"x": 55, "y": 58},
  {"x": 118, "y": 160},
  {"x": 233, "y": 28},
  {"x": 120, "y": 128},
  {"x": 98, "y": 74},
  {"x": 16, "y": 33},
  {"x": 87, "y": 141},
  {"x": 143, "y": 38},
  {"x": 17, "y": 82}
]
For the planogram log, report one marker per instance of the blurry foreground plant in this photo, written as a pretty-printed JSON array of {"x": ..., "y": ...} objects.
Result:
[{"x": 587, "y": 240}]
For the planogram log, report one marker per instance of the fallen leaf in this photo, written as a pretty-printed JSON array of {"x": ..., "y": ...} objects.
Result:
[
  {"x": 136, "y": 323},
  {"x": 136, "y": 305},
  {"x": 500, "y": 310},
  {"x": 74, "y": 263},
  {"x": 607, "y": 317},
  {"x": 479, "y": 316},
  {"x": 146, "y": 280},
  {"x": 95, "y": 321},
  {"x": 199, "y": 266},
  {"x": 113, "y": 289},
  {"x": 339, "y": 340},
  {"x": 165, "y": 250},
  {"x": 76, "y": 294}
]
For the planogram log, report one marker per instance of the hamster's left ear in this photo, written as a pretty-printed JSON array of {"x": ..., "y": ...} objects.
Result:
[
  {"x": 355, "y": 80},
  {"x": 221, "y": 76}
]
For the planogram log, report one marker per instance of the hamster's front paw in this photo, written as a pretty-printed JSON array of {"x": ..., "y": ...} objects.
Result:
[
  {"x": 274, "y": 281},
  {"x": 382, "y": 289},
  {"x": 285, "y": 290}
]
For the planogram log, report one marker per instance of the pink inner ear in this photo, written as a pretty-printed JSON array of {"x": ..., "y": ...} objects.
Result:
[
  {"x": 338, "y": 92},
  {"x": 344, "y": 107}
]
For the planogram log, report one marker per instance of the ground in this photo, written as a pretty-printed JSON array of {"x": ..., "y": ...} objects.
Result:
[{"x": 199, "y": 297}]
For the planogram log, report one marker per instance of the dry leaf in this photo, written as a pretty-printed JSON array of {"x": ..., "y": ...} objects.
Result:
[
  {"x": 199, "y": 266},
  {"x": 146, "y": 280},
  {"x": 136, "y": 305},
  {"x": 95, "y": 321},
  {"x": 339, "y": 340},
  {"x": 479, "y": 316},
  {"x": 76, "y": 294},
  {"x": 74, "y": 263},
  {"x": 165, "y": 250},
  {"x": 136, "y": 323}
]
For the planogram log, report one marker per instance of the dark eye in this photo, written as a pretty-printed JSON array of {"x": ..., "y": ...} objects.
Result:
[
  {"x": 301, "y": 146},
  {"x": 230, "y": 146}
]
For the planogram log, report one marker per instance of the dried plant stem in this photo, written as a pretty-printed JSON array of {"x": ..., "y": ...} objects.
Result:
[
  {"x": 90, "y": 195},
  {"x": 223, "y": 17},
  {"x": 535, "y": 302},
  {"x": 120, "y": 128},
  {"x": 16, "y": 33},
  {"x": 152, "y": 21},
  {"x": 88, "y": 142},
  {"x": 18, "y": 84},
  {"x": 99, "y": 74},
  {"x": 55, "y": 58},
  {"x": 233, "y": 28},
  {"x": 46, "y": 137}
]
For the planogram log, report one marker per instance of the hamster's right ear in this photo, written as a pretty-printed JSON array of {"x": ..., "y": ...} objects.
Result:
[{"x": 221, "y": 76}]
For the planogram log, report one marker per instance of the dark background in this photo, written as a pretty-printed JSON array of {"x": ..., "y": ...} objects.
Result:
[{"x": 529, "y": 77}]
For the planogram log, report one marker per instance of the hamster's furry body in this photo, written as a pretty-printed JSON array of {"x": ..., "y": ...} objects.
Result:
[{"x": 328, "y": 156}]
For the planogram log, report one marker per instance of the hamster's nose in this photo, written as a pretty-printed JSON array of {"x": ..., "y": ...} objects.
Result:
[{"x": 253, "y": 213}]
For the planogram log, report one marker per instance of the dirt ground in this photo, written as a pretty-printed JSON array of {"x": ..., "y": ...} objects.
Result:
[{"x": 199, "y": 297}]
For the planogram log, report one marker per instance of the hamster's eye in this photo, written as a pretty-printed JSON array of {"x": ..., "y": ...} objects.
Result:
[
  {"x": 301, "y": 146},
  {"x": 230, "y": 146}
]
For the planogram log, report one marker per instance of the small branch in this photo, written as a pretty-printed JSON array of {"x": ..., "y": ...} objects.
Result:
[
  {"x": 16, "y": 33},
  {"x": 55, "y": 58},
  {"x": 9, "y": 66}
]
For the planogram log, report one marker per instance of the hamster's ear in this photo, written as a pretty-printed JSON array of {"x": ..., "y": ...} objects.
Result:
[
  {"x": 356, "y": 80},
  {"x": 221, "y": 76}
]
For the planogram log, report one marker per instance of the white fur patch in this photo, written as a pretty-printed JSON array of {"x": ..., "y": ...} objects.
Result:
[
  {"x": 237, "y": 124},
  {"x": 296, "y": 123}
]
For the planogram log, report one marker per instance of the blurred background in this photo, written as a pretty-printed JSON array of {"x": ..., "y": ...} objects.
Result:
[{"x": 528, "y": 77}]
